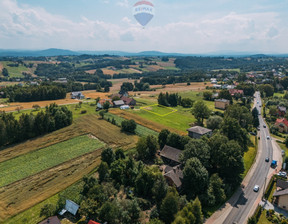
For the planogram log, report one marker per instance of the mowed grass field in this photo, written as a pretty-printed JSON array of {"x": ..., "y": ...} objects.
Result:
[{"x": 45, "y": 158}]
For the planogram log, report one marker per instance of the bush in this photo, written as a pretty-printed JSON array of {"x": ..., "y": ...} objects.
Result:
[
  {"x": 48, "y": 210},
  {"x": 128, "y": 126}
]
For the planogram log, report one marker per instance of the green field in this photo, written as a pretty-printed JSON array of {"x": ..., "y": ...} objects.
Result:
[
  {"x": 140, "y": 130},
  {"x": 158, "y": 110},
  {"x": 15, "y": 72},
  {"x": 45, "y": 158}
]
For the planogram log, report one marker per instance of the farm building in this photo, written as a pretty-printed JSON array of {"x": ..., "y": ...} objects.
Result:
[
  {"x": 128, "y": 101},
  {"x": 198, "y": 132},
  {"x": 174, "y": 176},
  {"x": 170, "y": 155},
  {"x": 70, "y": 207},
  {"x": 124, "y": 107},
  {"x": 118, "y": 103},
  {"x": 77, "y": 95},
  {"x": 51, "y": 220},
  {"x": 221, "y": 104}
]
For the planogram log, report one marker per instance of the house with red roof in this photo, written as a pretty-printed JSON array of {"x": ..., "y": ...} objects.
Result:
[
  {"x": 236, "y": 92},
  {"x": 93, "y": 222},
  {"x": 282, "y": 125},
  {"x": 100, "y": 104}
]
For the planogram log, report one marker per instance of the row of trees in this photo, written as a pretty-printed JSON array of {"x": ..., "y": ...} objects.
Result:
[
  {"x": 137, "y": 86},
  {"x": 30, "y": 125},
  {"x": 34, "y": 93},
  {"x": 173, "y": 100}
]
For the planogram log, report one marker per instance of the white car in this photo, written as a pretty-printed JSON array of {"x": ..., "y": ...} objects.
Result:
[
  {"x": 256, "y": 188},
  {"x": 268, "y": 137},
  {"x": 282, "y": 174}
]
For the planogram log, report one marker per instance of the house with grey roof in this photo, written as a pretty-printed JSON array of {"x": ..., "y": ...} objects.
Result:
[
  {"x": 280, "y": 196},
  {"x": 198, "y": 132},
  {"x": 174, "y": 177},
  {"x": 170, "y": 155}
]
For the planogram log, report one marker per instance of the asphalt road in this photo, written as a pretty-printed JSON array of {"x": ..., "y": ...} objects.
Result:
[{"x": 247, "y": 198}]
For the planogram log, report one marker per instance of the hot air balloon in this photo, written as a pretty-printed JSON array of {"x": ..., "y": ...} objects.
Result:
[{"x": 143, "y": 12}]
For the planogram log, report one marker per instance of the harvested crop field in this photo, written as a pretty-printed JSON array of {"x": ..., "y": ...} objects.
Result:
[
  {"x": 23, "y": 194},
  {"x": 144, "y": 122},
  {"x": 27, "y": 192},
  {"x": 93, "y": 94},
  {"x": 29, "y": 105},
  {"x": 31, "y": 163},
  {"x": 103, "y": 130}
]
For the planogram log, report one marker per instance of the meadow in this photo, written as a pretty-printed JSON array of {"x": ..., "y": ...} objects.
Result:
[
  {"x": 45, "y": 158},
  {"x": 15, "y": 72}
]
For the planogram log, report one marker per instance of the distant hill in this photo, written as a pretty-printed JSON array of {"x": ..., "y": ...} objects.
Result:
[
  {"x": 60, "y": 52},
  {"x": 48, "y": 52}
]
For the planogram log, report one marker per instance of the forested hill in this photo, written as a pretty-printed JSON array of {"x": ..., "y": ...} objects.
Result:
[{"x": 255, "y": 63}]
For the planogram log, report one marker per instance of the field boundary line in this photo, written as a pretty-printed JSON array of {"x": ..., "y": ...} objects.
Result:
[{"x": 161, "y": 115}]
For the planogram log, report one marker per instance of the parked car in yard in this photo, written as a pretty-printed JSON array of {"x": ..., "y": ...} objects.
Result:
[{"x": 282, "y": 174}]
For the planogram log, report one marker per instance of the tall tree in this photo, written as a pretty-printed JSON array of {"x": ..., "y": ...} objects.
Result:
[
  {"x": 169, "y": 207},
  {"x": 200, "y": 111},
  {"x": 193, "y": 174}
]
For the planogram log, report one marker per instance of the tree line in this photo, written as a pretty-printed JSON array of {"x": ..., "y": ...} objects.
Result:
[
  {"x": 30, "y": 125},
  {"x": 34, "y": 93}
]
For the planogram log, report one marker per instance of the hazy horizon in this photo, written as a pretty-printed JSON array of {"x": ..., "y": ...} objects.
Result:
[{"x": 188, "y": 27}]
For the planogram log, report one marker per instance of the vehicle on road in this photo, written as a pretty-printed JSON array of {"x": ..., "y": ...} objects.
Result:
[
  {"x": 264, "y": 126},
  {"x": 267, "y": 159},
  {"x": 268, "y": 137},
  {"x": 273, "y": 163},
  {"x": 258, "y": 129},
  {"x": 283, "y": 153},
  {"x": 256, "y": 188}
]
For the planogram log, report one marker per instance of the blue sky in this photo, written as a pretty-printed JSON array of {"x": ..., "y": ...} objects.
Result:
[{"x": 184, "y": 26}]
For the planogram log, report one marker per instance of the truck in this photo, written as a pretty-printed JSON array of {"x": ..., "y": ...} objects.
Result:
[{"x": 273, "y": 163}]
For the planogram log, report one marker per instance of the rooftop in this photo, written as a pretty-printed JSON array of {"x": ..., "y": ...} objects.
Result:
[
  {"x": 222, "y": 100},
  {"x": 171, "y": 153},
  {"x": 176, "y": 175},
  {"x": 199, "y": 130},
  {"x": 280, "y": 193}
]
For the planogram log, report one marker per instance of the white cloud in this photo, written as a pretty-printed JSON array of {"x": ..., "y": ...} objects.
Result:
[{"x": 28, "y": 27}]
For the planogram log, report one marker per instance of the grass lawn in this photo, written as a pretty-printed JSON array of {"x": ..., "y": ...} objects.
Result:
[
  {"x": 279, "y": 94},
  {"x": 179, "y": 120},
  {"x": 249, "y": 156},
  {"x": 158, "y": 110},
  {"x": 140, "y": 130},
  {"x": 263, "y": 219},
  {"x": 42, "y": 159}
]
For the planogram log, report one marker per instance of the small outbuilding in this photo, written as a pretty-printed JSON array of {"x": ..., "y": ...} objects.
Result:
[
  {"x": 198, "y": 132},
  {"x": 70, "y": 207},
  {"x": 118, "y": 103},
  {"x": 221, "y": 104},
  {"x": 77, "y": 95}
]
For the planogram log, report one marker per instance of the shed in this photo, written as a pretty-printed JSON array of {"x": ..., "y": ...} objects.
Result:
[
  {"x": 71, "y": 207},
  {"x": 118, "y": 103},
  {"x": 198, "y": 132},
  {"x": 170, "y": 155}
]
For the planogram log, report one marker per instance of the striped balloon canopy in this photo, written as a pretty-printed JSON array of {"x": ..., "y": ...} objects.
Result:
[{"x": 143, "y": 12}]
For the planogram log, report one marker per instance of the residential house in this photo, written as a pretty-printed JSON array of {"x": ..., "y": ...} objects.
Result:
[
  {"x": 221, "y": 104},
  {"x": 77, "y": 95},
  {"x": 282, "y": 125},
  {"x": 128, "y": 101},
  {"x": 51, "y": 220},
  {"x": 198, "y": 132},
  {"x": 236, "y": 92},
  {"x": 172, "y": 168},
  {"x": 118, "y": 103},
  {"x": 281, "y": 111},
  {"x": 170, "y": 155},
  {"x": 280, "y": 196},
  {"x": 174, "y": 176},
  {"x": 100, "y": 103}
]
